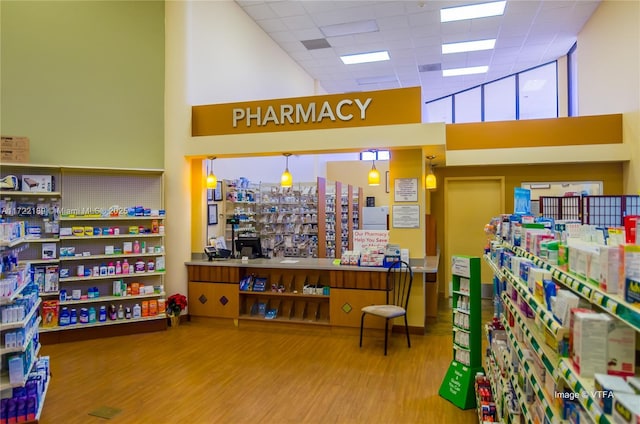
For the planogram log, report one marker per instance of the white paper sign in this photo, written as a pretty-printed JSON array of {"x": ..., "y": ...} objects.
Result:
[
  {"x": 377, "y": 239},
  {"x": 406, "y": 216},
  {"x": 405, "y": 190},
  {"x": 461, "y": 266}
]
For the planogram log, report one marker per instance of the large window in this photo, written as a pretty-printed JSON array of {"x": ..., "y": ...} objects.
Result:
[
  {"x": 530, "y": 94},
  {"x": 538, "y": 92},
  {"x": 468, "y": 106},
  {"x": 500, "y": 100},
  {"x": 572, "y": 65}
]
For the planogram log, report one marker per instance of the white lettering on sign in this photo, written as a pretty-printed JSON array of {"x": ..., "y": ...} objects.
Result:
[{"x": 299, "y": 113}]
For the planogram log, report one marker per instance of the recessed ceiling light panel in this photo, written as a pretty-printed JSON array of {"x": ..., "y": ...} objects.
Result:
[
  {"x": 472, "y": 11},
  {"x": 352, "y": 59},
  {"x": 469, "y": 46},
  {"x": 464, "y": 71}
]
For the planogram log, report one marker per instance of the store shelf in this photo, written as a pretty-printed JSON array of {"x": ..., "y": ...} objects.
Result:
[
  {"x": 4, "y": 378},
  {"x": 461, "y": 293},
  {"x": 23, "y": 322},
  {"x": 284, "y": 320},
  {"x": 27, "y": 339},
  {"x": 285, "y": 294},
  {"x": 613, "y": 304},
  {"x": 15, "y": 193},
  {"x": 113, "y": 236},
  {"x": 41, "y": 240},
  {"x": 498, "y": 396},
  {"x": 545, "y": 398},
  {"x": 10, "y": 299},
  {"x": 584, "y": 387},
  {"x": 536, "y": 340},
  {"x": 12, "y": 243},
  {"x": 42, "y": 398},
  {"x": 116, "y": 257},
  {"x": 38, "y": 261},
  {"x": 112, "y": 277},
  {"x": 102, "y": 324},
  {"x": 101, "y": 299},
  {"x": 111, "y": 218},
  {"x": 545, "y": 316},
  {"x": 497, "y": 271},
  {"x": 462, "y": 311}
]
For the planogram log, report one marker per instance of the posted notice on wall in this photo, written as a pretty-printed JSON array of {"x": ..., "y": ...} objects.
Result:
[
  {"x": 374, "y": 239},
  {"x": 405, "y": 190},
  {"x": 406, "y": 216}
]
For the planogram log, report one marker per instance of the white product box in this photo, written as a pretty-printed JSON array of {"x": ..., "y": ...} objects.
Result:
[
  {"x": 631, "y": 288},
  {"x": 626, "y": 409},
  {"x": 621, "y": 349},
  {"x": 49, "y": 250},
  {"x": 537, "y": 275},
  {"x": 634, "y": 383},
  {"x": 590, "y": 332},
  {"x": 609, "y": 384},
  {"x": 127, "y": 247},
  {"x": 37, "y": 183},
  {"x": 609, "y": 261}
]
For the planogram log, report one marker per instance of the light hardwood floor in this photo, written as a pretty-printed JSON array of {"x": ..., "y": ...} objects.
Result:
[{"x": 209, "y": 371}]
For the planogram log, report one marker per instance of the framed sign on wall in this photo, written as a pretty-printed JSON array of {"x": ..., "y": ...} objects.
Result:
[{"x": 405, "y": 190}]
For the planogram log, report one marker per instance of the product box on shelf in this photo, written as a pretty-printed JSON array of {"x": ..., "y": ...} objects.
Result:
[
  {"x": 621, "y": 349},
  {"x": 631, "y": 264},
  {"x": 608, "y": 385},
  {"x": 590, "y": 331},
  {"x": 609, "y": 261},
  {"x": 50, "y": 313},
  {"x": 38, "y": 183},
  {"x": 626, "y": 408}
]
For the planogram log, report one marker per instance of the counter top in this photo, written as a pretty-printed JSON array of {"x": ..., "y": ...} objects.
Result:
[{"x": 430, "y": 264}]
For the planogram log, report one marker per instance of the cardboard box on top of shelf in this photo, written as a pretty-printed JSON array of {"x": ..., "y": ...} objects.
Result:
[{"x": 14, "y": 149}]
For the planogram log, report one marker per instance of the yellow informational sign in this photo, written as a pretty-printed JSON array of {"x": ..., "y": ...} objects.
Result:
[{"x": 385, "y": 107}]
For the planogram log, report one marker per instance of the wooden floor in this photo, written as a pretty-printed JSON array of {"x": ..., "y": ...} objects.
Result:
[{"x": 209, "y": 371}]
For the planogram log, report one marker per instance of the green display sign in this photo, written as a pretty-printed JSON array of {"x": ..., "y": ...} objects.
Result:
[{"x": 458, "y": 385}]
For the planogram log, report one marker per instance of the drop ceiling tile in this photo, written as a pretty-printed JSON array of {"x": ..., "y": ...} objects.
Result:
[
  {"x": 260, "y": 11},
  {"x": 287, "y": 8},
  {"x": 299, "y": 22},
  {"x": 307, "y": 34},
  {"x": 272, "y": 25}
]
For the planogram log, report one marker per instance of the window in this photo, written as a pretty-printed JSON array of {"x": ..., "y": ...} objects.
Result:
[
  {"x": 538, "y": 92},
  {"x": 500, "y": 100},
  {"x": 375, "y": 155},
  {"x": 440, "y": 110},
  {"x": 572, "y": 80},
  {"x": 468, "y": 106}
]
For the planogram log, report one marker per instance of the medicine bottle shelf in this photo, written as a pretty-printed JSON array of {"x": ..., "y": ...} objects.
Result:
[
  {"x": 112, "y": 277},
  {"x": 102, "y": 299},
  {"x": 114, "y": 236},
  {"x": 114, "y": 256},
  {"x": 161, "y": 316},
  {"x": 27, "y": 340},
  {"x": 112, "y": 218},
  {"x": 285, "y": 294},
  {"x": 4, "y": 378},
  {"x": 23, "y": 322}
]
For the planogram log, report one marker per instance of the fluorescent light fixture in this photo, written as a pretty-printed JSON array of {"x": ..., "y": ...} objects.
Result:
[
  {"x": 534, "y": 85},
  {"x": 349, "y": 28},
  {"x": 351, "y": 59},
  {"x": 369, "y": 155},
  {"x": 468, "y": 46},
  {"x": 464, "y": 71},
  {"x": 472, "y": 11},
  {"x": 383, "y": 155}
]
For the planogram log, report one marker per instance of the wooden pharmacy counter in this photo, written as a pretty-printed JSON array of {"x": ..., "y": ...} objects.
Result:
[{"x": 214, "y": 289}]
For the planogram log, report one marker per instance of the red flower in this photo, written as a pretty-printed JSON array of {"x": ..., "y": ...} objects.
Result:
[{"x": 176, "y": 303}]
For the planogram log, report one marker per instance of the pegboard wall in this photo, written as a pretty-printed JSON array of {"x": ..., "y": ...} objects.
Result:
[{"x": 90, "y": 190}]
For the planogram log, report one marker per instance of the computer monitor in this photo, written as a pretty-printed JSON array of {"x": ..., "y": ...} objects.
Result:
[{"x": 249, "y": 246}]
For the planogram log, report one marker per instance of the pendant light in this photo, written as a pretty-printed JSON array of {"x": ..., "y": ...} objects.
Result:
[
  {"x": 430, "y": 182},
  {"x": 286, "y": 180},
  {"x": 212, "y": 180},
  {"x": 374, "y": 175}
]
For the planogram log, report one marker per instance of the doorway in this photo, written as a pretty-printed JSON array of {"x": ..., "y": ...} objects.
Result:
[{"x": 469, "y": 204}]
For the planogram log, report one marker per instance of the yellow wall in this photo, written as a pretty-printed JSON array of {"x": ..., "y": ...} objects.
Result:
[
  {"x": 84, "y": 80},
  {"x": 355, "y": 173},
  {"x": 609, "y": 173}
]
